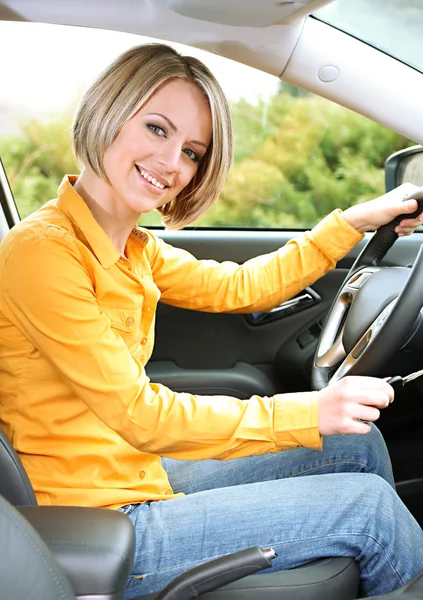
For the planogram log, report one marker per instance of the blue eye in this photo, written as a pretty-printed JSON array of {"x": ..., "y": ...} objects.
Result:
[
  {"x": 156, "y": 129},
  {"x": 192, "y": 155}
]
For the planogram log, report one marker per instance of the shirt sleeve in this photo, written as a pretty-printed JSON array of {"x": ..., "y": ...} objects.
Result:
[
  {"x": 259, "y": 284},
  {"x": 48, "y": 294}
]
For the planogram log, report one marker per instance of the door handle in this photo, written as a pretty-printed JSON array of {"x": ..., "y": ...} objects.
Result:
[{"x": 306, "y": 298}]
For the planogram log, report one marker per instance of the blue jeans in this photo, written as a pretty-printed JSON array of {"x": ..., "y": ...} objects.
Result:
[{"x": 303, "y": 503}]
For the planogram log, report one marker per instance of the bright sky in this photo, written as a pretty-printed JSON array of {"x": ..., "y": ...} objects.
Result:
[{"x": 44, "y": 69}]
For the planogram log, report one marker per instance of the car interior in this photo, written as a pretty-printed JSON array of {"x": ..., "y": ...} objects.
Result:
[{"x": 364, "y": 317}]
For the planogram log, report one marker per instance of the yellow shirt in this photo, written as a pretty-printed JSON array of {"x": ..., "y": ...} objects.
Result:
[{"x": 77, "y": 328}]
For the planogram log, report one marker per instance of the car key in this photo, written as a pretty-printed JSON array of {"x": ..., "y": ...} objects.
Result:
[{"x": 399, "y": 382}]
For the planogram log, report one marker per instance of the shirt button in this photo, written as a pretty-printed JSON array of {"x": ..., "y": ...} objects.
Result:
[
  {"x": 142, "y": 474},
  {"x": 148, "y": 309},
  {"x": 130, "y": 321},
  {"x": 143, "y": 341}
]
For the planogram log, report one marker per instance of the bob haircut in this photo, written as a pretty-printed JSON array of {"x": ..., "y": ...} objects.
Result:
[{"x": 119, "y": 93}]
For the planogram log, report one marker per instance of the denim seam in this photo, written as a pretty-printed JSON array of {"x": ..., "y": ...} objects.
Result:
[{"x": 329, "y": 464}]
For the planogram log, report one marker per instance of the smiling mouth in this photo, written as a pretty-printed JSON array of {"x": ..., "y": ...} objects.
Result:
[{"x": 150, "y": 179}]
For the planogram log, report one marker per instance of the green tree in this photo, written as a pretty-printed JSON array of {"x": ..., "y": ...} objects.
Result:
[
  {"x": 36, "y": 161},
  {"x": 314, "y": 156}
]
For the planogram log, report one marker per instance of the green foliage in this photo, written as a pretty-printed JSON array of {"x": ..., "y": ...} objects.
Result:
[
  {"x": 312, "y": 156},
  {"x": 36, "y": 161},
  {"x": 297, "y": 158}
]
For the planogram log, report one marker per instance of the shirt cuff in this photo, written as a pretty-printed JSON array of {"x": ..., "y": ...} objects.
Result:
[
  {"x": 334, "y": 236},
  {"x": 296, "y": 421}
]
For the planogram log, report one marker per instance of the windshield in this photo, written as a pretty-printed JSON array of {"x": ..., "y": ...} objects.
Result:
[{"x": 393, "y": 26}]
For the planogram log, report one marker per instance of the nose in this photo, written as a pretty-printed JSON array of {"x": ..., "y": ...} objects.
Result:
[{"x": 170, "y": 157}]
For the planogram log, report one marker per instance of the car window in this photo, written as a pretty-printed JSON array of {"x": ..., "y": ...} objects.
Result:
[
  {"x": 391, "y": 26},
  {"x": 297, "y": 156}
]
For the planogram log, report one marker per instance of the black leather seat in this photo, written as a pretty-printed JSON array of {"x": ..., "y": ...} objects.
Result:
[
  {"x": 337, "y": 578},
  {"x": 14, "y": 482},
  {"x": 27, "y": 569},
  {"x": 64, "y": 552}
]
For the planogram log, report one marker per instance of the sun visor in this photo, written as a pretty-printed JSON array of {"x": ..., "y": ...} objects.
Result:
[
  {"x": 7, "y": 14},
  {"x": 246, "y": 13}
]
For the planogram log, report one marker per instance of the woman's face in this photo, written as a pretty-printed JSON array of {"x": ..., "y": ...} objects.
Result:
[{"x": 157, "y": 152}]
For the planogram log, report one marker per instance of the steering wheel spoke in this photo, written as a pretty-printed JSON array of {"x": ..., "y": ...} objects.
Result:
[
  {"x": 363, "y": 343},
  {"x": 333, "y": 355},
  {"x": 330, "y": 351}
]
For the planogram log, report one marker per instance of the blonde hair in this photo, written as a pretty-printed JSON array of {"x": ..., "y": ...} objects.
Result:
[{"x": 122, "y": 89}]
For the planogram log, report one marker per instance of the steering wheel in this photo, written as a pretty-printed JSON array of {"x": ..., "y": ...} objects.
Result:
[{"x": 376, "y": 310}]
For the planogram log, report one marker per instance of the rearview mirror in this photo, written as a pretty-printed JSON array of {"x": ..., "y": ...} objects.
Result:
[{"x": 405, "y": 165}]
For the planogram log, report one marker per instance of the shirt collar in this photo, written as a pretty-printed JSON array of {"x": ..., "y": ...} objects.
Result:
[{"x": 75, "y": 208}]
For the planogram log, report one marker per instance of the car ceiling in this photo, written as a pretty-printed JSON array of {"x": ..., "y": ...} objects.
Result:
[
  {"x": 272, "y": 35},
  {"x": 261, "y": 34}
]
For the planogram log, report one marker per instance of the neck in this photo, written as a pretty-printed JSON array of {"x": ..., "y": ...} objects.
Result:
[{"x": 106, "y": 209}]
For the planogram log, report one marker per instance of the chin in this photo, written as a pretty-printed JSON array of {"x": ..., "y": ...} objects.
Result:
[{"x": 144, "y": 207}]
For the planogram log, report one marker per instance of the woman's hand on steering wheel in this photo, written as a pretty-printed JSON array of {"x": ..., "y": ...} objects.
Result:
[
  {"x": 371, "y": 215},
  {"x": 378, "y": 307},
  {"x": 350, "y": 404}
]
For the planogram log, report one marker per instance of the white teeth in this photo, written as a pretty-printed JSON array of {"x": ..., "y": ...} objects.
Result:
[{"x": 156, "y": 183}]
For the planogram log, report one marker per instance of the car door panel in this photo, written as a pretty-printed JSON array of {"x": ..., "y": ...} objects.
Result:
[{"x": 194, "y": 340}]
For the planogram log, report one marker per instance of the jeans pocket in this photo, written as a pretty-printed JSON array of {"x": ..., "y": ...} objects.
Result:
[{"x": 127, "y": 509}]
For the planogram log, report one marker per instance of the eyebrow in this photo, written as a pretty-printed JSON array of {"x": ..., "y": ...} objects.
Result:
[{"x": 174, "y": 128}]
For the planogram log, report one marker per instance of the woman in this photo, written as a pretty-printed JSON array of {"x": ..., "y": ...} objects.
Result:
[{"x": 80, "y": 284}]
